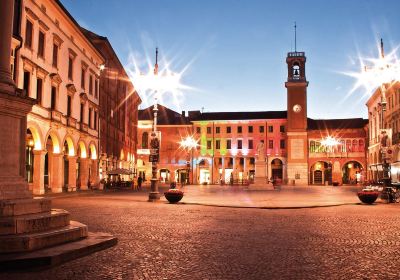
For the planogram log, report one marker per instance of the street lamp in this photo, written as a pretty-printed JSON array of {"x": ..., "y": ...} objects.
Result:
[
  {"x": 155, "y": 83},
  {"x": 190, "y": 144}
]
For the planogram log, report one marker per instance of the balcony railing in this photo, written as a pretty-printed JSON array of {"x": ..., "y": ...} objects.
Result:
[
  {"x": 71, "y": 122},
  {"x": 56, "y": 116},
  {"x": 295, "y": 54},
  {"x": 84, "y": 127}
]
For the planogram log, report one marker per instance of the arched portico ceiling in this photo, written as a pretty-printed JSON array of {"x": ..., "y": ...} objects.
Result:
[
  {"x": 82, "y": 149},
  {"x": 71, "y": 146},
  {"x": 93, "y": 151},
  {"x": 55, "y": 140},
  {"x": 37, "y": 136}
]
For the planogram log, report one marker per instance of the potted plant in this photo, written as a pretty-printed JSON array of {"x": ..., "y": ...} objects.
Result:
[
  {"x": 368, "y": 196},
  {"x": 173, "y": 195}
]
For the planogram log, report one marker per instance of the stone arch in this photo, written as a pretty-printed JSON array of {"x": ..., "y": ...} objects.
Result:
[
  {"x": 122, "y": 154},
  {"x": 36, "y": 134},
  {"x": 277, "y": 168},
  {"x": 320, "y": 172},
  {"x": 71, "y": 145},
  {"x": 55, "y": 138},
  {"x": 93, "y": 151},
  {"x": 82, "y": 148},
  {"x": 351, "y": 171}
]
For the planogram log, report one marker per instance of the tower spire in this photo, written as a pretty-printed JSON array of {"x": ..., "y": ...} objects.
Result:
[
  {"x": 156, "y": 65},
  {"x": 382, "y": 52},
  {"x": 295, "y": 37}
]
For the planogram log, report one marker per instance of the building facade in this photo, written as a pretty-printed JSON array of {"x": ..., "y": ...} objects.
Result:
[
  {"x": 173, "y": 165},
  {"x": 384, "y": 133},
  {"x": 241, "y": 147},
  {"x": 56, "y": 64},
  {"x": 118, "y": 112}
]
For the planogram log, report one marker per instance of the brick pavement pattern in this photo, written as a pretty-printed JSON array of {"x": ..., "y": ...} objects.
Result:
[{"x": 164, "y": 241}]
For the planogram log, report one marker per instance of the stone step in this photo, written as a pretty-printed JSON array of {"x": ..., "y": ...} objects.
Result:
[
  {"x": 39, "y": 240},
  {"x": 14, "y": 207},
  {"x": 56, "y": 255},
  {"x": 34, "y": 222}
]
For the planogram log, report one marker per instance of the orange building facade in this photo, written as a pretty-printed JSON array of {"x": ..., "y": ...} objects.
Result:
[{"x": 247, "y": 147}]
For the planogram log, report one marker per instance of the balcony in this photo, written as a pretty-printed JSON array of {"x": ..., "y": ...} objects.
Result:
[
  {"x": 56, "y": 116},
  {"x": 84, "y": 127},
  {"x": 71, "y": 122},
  {"x": 295, "y": 54}
]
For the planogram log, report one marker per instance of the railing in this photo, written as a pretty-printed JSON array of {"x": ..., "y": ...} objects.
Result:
[
  {"x": 295, "y": 54},
  {"x": 56, "y": 116},
  {"x": 84, "y": 127},
  {"x": 71, "y": 122}
]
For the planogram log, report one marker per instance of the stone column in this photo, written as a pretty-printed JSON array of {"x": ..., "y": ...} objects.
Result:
[
  {"x": 38, "y": 171},
  {"x": 6, "y": 15},
  {"x": 94, "y": 175},
  {"x": 72, "y": 173},
  {"x": 234, "y": 171},
  {"x": 57, "y": 171},
  {"x": 245, "y": 175},
  {"x": 223, "y": 169},
  {"x": 284, "y": 172},
  {"x": 84, "y": 169}
]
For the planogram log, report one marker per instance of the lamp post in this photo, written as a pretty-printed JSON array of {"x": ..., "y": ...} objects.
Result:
[
  {"x": 329, "y": 143},
  {"x": 190, "y": 144},
  {"x": 154, "y": 157}
]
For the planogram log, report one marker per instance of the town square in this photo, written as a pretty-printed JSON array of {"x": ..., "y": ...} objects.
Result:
[{"x": 199, "y": 139}]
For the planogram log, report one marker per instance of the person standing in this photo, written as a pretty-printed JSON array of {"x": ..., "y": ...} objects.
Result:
[{"x": 139, "y": 183}]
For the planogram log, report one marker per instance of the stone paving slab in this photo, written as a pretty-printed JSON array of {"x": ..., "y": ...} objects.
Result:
[
  {"x": 165, "y": 241},
  {"x": 286, "y": 197}
]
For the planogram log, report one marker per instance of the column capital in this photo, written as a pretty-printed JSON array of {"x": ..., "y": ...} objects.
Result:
[{"x": 39, "y": 152}]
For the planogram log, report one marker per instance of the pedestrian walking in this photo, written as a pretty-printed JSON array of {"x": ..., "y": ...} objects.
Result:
[{"x": 139, "y": 183}]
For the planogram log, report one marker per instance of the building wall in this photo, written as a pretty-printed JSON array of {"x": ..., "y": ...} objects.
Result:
[
  {"x": 351, "y": 148},
  {"x": 118, "y": 113},
  {"x": 63, "y": 142},
  {"x": 391, "y": 120},
  {"x": 173, "y": 157}
]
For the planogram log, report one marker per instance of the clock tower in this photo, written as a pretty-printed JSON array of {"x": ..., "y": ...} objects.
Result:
[{"x": 297, "y": 148}]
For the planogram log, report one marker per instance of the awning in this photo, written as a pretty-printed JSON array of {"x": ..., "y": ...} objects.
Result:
[{"x": 119, "y": 171}]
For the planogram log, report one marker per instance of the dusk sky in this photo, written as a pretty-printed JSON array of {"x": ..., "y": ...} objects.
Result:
[{"x": 237, "y": 49}]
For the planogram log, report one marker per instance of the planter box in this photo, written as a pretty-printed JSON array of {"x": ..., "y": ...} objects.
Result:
[
  {"x": 173, "y": 195},
  {"x": 368, "y": 196}
]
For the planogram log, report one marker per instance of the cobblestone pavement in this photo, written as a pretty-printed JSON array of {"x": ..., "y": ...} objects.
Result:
[{"x": 164, "y": 241}]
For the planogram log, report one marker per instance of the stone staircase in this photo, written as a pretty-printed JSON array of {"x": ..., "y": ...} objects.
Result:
[{"x": 30, "y": 226}]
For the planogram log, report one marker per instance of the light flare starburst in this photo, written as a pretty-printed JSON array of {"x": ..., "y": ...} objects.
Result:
[
  {"x": 157, "y": 83},
  {"x": 376, "y": 73}
]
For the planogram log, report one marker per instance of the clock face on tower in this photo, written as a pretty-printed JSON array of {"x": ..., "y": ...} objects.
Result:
[{"x": 297, "y": 108}]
